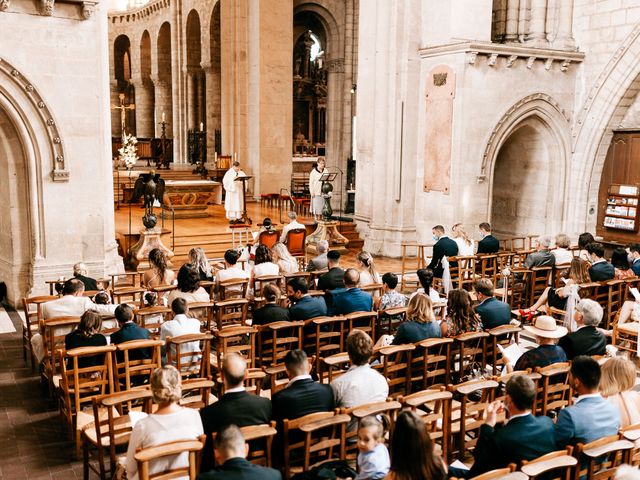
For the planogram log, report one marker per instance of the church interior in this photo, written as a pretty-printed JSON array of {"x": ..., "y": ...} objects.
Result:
[{"x": 363, "y": 239}]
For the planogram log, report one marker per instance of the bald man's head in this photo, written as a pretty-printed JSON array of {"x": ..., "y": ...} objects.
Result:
[{"x": 233, "y": 370}]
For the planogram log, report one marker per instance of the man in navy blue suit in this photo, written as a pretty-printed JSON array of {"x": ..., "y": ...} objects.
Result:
[
  {"x": 634, "y": 254},
  {"x": 129, "y": 331},
  {"x": 351, "y": 298},
  {"x": 303, "y": 306},
  {"x": 492, "y": 311},
  {"x": 600, "y": 270},
  {"x": 489, "y": 243},
  {"x": 444, "y": 247}
]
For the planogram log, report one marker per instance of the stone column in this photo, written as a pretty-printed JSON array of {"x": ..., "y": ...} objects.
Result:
[
  {"x": 513, "y": 16},
  {"x": 163, "y": 103},
  {"x": 202, "y": 98},
  {"x": 537, "y": 25},
  {"x": 144, "y": 108},
  {"x": 565, "y": 38},
  {"x": 500, "y": 21},
  {"x": 116, "y": 130},
  {"x": 212, "y": 106}
]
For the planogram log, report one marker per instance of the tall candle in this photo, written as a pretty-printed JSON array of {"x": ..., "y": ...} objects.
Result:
[
  {"x": 163, "y": 116},
  {"x": 201, "y": 126}
]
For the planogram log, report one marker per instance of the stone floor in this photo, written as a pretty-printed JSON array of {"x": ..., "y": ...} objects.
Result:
[{"x": 33, "y": 442}]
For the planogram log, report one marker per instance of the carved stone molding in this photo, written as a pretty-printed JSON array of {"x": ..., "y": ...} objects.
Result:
[
  {"x": 88, "y": 9},
  {"x": 4, "y": 4},
  {"x": 335, "y": 65},
  {"x": 46, "y": 7},
  {"x": 59, "y": 173},
  {"x": 139, "y": 14},
  {"x": 510, "y": 53}
]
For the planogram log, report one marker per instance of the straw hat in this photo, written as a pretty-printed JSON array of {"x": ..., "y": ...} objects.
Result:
[{"x": 546, "y": 327}]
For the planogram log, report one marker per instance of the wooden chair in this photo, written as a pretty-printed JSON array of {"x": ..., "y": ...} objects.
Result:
[
  {"x": 126, "y": 279},
  {"x": 539, "y": 280},
  {"x": 31, "y": 323},
  {"x": 434, "y": 407},
  {"x": 436, "y": 364},
  {"x": 132, "y": 367},
  {"x": 79, "y": 385},
  {"x": 396, "y": 367},
  {"x": 196, "y": 393},
  {"x": 465, "y": 427},
  {"x": 554, "y": 391},
  {"x": 470, "y": 349},
  {"x": 375, "y": 289},
  {"x": 233, "y": 288},
  {"x": 268, "y": 238},
  {"x": 365, "y": 321},
  {"x": 388, "y": 407},
  {"x": 54, "y": 332},
  {"x": 499, "y": 474},
  {"x": 614, "y": 301},
  {"x": 487, "y": 267},
  {"x": 600, "y": 458},
  {"x": 312, "y": 439},
  {"x": 147, "y": 455},
  {"x": 632, "y": 433},
  {"x": 333, "y": 366},
  {"x": 152, "y": 318},
  {"x": 128, "y": 288},
  {"x": 203, "y": 311},
  {"x": 410, "y": 279},
  {"x": 466, "y": 272},
  {"x": 560, "y": 271},
  {"x": 296, "y": 242},
  {"x": 276, "y": 339},
  {"x": 561, "y": 463},
  {"x": 389, "y": 320},
  {"x": 504, "y": 335},
  {"x": 503, "y": 379},
  {"x": 191, "y": 363},
  {"x": 237, "y": 339},
  {"x": 231, "y": 312},
  {"x": 111, "y": 428},
  {"x": 260, "y": 281},
  {"x": 260, "y": 440},
  {"x": 323, "y": 337}
]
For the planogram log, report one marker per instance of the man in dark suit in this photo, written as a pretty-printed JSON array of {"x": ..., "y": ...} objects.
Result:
[
  {"x": 303, "y": 306},
  {"x": 634, "y": 257},
  {"x": 351, "y": 299},
  {"x": 271, "y": 312},
  {"x": 587, "y": 339},
  {"x": 600, "y": 270},
  {"x": 334, "y": 278},
  {"x": 524, "y": 437},
  {"x": 236, "y": 406},
  {"x": 302, "y": 395},
  {"x": 444, "y": 247},
  {"x": 129, "y": 331},
  {"x": 80, "y": 272},
  {"x": 492, "y": 311},
  {"x": 489, "y": 243},
  {"x": 231, "y": 456}
]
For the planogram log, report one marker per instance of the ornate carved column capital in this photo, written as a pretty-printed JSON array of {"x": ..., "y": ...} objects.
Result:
[
  {"x": 335, "y": 65},
  {"x": 4, "y": 4},
  {"x": 46, "y": 7},
  {"x": 88, "y": 9}
]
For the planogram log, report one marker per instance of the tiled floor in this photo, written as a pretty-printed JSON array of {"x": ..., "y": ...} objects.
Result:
[{"x": 33, "y": 443}]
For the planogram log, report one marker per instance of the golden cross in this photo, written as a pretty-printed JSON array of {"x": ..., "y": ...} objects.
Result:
[{"x": 123, "y": 108}]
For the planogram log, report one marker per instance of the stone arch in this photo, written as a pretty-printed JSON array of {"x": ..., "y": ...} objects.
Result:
[
  {"x": 122, "y": 70},
  {"x": 145, "y": 55},
  {"x": 604, "y": 107},
  {"x": 537, "y": 126},
  {"x": 328, "y": 20},
  {"x": 145, "y": 95}
]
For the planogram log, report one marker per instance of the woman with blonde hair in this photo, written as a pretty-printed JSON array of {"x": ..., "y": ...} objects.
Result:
[
  {"x": 421, "y": 322},
  {"x": 282, "y": 257},
  {"x": 616, "y": 385},
  {"x": 158, "y": 273},
  {"x": 198, "y": 259},
  {"x": 465, "y": 243},
  {"x": 367, "y": 269},
  {"x": 169, "y": 423}
]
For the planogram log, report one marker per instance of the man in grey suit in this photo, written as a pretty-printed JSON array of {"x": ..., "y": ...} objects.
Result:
[
  {"x": 590, "y": 417},
  {"x": 319, "y": 262}
]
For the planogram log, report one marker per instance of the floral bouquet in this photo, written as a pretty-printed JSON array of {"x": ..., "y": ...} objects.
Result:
[{"x": 128, "y": 151}]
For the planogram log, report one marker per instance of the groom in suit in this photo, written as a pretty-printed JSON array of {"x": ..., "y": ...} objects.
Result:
[
  {"x": 524, "y": 437},
  {"x": 444, "y": 247},
  {"x": 489, "y": 243}
]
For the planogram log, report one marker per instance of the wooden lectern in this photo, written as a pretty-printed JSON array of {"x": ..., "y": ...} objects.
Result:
[{"x": 245, "y": 218}]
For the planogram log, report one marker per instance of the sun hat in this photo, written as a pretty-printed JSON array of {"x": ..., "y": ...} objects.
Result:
[{"x": 546, "y": 327}]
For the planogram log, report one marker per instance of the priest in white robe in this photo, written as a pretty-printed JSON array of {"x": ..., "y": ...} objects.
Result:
[{"x": 234, "y": 196}]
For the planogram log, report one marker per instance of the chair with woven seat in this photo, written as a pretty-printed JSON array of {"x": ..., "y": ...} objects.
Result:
[
  {"x": 147, "y": 455},
  {"x": 190, "y": 363},
  {"x": 111, "y": 428},
  {"x": 80, "y": 383},
  {"x": 554, "y": 390},
  {"x": 434, "y": 407},
  {"x": 600, "y": 458},
  {"x": 133, "y": 365},
  {"x": 31, "y": 322},
  {"x": 557, "y": 465}
]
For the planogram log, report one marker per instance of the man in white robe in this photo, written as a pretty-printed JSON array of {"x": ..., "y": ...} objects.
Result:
[{"x": 234, "y": 195}]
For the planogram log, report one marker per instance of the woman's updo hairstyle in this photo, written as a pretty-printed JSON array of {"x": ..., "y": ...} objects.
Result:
[{"x": 166, "y": 385}]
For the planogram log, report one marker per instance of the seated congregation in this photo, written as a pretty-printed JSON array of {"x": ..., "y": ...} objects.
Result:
[{"x": 511, "y": 360}]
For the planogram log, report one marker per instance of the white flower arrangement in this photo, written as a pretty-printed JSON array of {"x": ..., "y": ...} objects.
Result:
[{"x": 128, "y": 151}]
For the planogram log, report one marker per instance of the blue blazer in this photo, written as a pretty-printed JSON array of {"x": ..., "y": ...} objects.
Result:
[
  {"x": 602, "y": 271},
  {"x": 308, "y": 307},
  {"x": 351, "y": 300},
  {"x": 585, "y": 421},
  {"x": 636, "y": 267},
  {"x": 493, "y": 313}
]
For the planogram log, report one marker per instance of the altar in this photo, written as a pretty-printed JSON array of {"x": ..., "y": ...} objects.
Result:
[{"x": 190, "y": 198}]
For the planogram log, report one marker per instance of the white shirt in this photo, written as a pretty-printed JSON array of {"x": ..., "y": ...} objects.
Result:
[
  {"x": 563, "y": 256},
  {"x": 587, "y": 395},
  {"x": 182, "y": 325},
  {"x": 199, "y": 295},
  {"x": 294, "y": 224},
  {"x": 234, "y": 272},
  {"x": 464, "y": 249},
  {"x": 359, "y": 385},
  {"x": 184, "y": 424},
  {"x": 72, "y": 306},
  {"x": 266, "y": 268}
]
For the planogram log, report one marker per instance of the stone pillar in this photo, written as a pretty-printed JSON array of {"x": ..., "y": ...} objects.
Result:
[
  {"x": 513, "y": 16},
  {"x": 163, "y": 103},
  {"x": 537, "y": 25},
  {"x": 116, "y": 129},
  {"x": 565, "y": 39},
  {"x": 212, "y": 105},
  {"x": 202, "y": 98},
  {"x": 499, "y": 21},
  {"x": 144, "y": 108}
]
